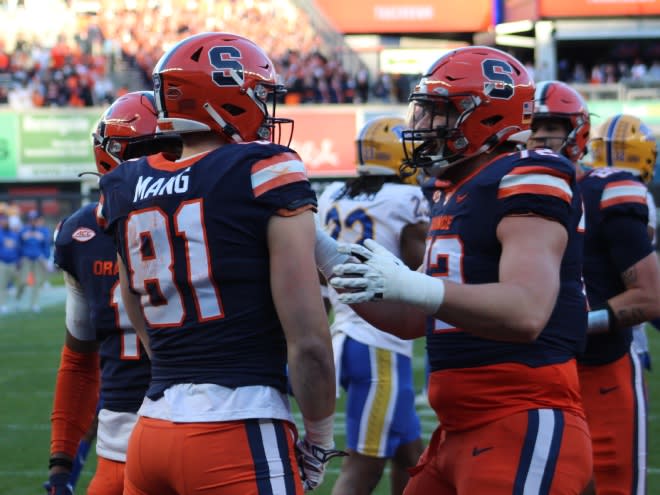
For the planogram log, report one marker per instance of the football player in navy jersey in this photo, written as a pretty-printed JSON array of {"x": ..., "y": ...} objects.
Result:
[
  {"x": 622, "y": 279},
  {"x": 98, "y": 330},
  {"x": 217, "y": 271},
  {"x": 499, "y": 294}
]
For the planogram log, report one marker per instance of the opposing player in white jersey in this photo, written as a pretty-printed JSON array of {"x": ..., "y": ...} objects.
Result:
[{"x": 374, "y": 367}]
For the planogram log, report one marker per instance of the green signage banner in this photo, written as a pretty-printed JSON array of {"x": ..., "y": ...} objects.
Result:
[
  {"x": 8, "y": 145},
  {"x": 56, "y": 144}
]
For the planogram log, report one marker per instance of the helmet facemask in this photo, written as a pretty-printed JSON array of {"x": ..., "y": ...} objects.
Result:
[
  {"x": 272, "y": 128},
  {"x": 118, "y": 149},
  {"x": 437, "y": 146}
]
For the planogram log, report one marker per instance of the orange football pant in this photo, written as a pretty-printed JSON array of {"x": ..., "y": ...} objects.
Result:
[
  {"x": 246, "y": 457},
  {"x": 615, "y": 403},
  {"x": 535, "y": 452},
  {"x": 108, "y": 478}
]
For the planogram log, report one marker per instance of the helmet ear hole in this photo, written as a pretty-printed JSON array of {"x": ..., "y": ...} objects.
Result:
[
  {"x": 195, "y": 56},
  {"x": 233, "y": 109},
  {"x": 491, "y": 121}
]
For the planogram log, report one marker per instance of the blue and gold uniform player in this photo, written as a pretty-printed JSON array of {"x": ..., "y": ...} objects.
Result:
[
  {"x": 500, "y": 298},
  {"x": 374, "y": 367},
  {"x": 218, "y": 276},
  {"x": 98, "y": 329},
  {"x": 622, "y": 279}
]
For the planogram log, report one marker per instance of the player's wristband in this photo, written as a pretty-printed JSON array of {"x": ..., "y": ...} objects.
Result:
[
  {"x": 326, "y": 253},
  {"x": 601, "y": 320},
  {"x": 60, "y": 461},
  {"x": 320, "y": 432}
]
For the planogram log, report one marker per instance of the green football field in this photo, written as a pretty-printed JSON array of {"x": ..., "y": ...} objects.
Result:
[{"x": 30, "y": 348}]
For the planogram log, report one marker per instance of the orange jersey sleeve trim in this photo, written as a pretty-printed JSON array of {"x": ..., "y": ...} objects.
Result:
[
  {"x": 277, "y": 171},
  {"x": 534, "y": 189},
  {"x": 76, "y": 397},
  {"x": 539, "y": 169},
  {"x": 283, "y": 212},
  {"x": 621, "y": 200},
  {"x": 100, "y": 219}
]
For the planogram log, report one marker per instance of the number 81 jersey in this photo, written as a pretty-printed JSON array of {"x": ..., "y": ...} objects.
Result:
[{"x": 193, "y": 235}]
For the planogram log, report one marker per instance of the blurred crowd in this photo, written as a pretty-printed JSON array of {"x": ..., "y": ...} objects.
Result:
[
  {"x": 114, "y": 49},
  {"x": 636, "y": 73},
  {"x": 100, "y": 55},
  {"x": 25, "y": 256}
]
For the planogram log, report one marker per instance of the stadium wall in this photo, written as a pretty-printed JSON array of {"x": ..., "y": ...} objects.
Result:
[{"x": 45, "y": 145}]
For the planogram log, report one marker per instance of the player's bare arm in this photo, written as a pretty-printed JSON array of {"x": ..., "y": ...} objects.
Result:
[
  {"x": 413, "y": 242},
  {"x": 80, "y": 336},
  {"x": 640, "y": 301},
  {"x": 514, "y": 309},
  {"x": 518, "y": 306},
  {"x": 133, "y": 308},
  {"x": 297, "y": 297}
]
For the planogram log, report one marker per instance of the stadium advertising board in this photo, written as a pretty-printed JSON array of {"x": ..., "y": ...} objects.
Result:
[
  {"x": 591, "y": 8},
  {"x": 520, "y": 10},
  {"x": 8, "y": 145},
  {"x": 49, "y": 145},
  {"x": 55, "y": 145},
  {"x": 400, "y": 16},
  {"x": 324, "y": 137}
]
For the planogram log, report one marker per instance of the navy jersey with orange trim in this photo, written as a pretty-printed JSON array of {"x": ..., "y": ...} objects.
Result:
[
  {"x": 193, "y": 235},
  {"x": 83, "y": 250},
  {"x": 464, "y": 248},
  {"x": 616, "y": 238}
]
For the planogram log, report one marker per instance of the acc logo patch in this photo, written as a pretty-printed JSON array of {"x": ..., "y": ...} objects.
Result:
[{"x": 83, "y": 234}]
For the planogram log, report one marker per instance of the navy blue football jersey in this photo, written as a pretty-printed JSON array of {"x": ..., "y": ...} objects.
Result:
[
  {"x": 193, "y": 235},
  {"x": 616, "y": 238},
  {"x": 463, "y": 247},
  {"x": 84, "y": 251}
]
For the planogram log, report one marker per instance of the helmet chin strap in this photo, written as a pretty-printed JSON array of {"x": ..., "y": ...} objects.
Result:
[
  {"x": 228, "y": 129},
  {"x": 440, "y": 164}
]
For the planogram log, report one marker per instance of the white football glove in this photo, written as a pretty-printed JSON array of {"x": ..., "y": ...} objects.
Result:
[
  {"x": 312, "y": 460},
  {"x": 326, "y": 253},
  {"x": 381, "y": 276}
]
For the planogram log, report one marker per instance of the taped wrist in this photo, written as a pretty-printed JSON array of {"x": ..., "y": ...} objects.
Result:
[
  {"x": 601, "y": 320},
  {"x": 320, "y": 432},
  {"x": 423, "y": 291},
  {"x": 325, "y": 251}
]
